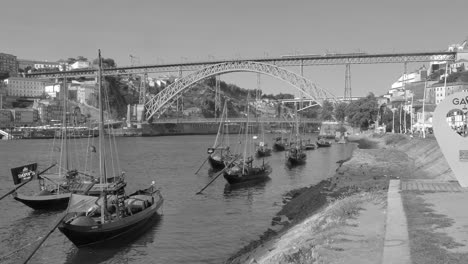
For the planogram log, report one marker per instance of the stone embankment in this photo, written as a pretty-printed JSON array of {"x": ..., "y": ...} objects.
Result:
[{"x": 342, "y": 219}]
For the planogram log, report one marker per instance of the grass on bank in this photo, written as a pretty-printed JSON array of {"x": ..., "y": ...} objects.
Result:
[{"x": 327, "y": 224}]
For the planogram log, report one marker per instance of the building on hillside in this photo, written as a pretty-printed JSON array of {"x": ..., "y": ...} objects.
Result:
[
  {"x": 52, "y": 90},
  {"x": 25, "y": 117},
  {"x": 38, "y": 65},
  {"x": 419, "y": 75},
  {"x": 27, "y": 87},
  {"x": 6, "y": 118},
  {"x": 458, "y": 66},
  {"x": 438, "y": 91},
  {"x": 80, "y": 65},
  {"x": 9, "y": 64},
  {"x": 85, "y": 93},
  {"x": 50, "y": 111}
]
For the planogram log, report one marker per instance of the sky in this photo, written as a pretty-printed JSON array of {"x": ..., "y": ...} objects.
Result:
[{"x": 173, "y": 31}]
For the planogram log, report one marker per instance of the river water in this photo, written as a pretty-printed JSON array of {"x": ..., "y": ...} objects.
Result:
[{"x": 205, "y": 228}]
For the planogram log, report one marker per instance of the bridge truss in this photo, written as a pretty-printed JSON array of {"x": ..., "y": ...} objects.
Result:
[
  {"x": 284, "y": 61},
  {"x": 159, "y": 103}
]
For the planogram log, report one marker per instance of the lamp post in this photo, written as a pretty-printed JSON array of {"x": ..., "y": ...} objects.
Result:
[{"x": 423, "y": 114}]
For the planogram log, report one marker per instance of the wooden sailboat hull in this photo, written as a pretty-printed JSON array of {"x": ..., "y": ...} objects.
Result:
[
  {"x": 279, "y": 147},
  {"x": 44, "y": 202},
  {"x": 323, "y": 145},
  {"x": 87, "y": 235},
  {"x": 296, "y": 158},
  {"x": 216, "y": 164},
  {"x": 263, "y": 153},
  {"x": 309, "y": 146},
  {"x": 242, "y": 178}
]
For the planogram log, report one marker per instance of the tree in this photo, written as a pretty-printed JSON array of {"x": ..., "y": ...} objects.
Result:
[
  {"x": 106, "y": 62},
  {"x": 71, "y": 60},
  {"x": 327, "y": 111},
  {"x": 81, "y": 58},
  {"x": 340, "y": 111},
  {"x": 363, "y": 112}
]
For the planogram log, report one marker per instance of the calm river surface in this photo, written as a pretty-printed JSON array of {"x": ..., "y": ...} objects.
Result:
[{"x": 193, "y": 228}]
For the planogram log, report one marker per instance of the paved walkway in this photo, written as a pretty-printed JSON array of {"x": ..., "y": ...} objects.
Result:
[
  {"x": 431, "y": 185},
  {"x": 396, "y": 245}
]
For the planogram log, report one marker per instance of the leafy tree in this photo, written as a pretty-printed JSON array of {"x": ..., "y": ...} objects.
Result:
[
  {"x": 106, "y": 62},
  {"x": 327, "y": 111},
  {"x": 363, "y": 112},
  {"x": 340, "y": 111},
  {"x": 71, "y": 60},
  {"x": 81, "y": 58}
]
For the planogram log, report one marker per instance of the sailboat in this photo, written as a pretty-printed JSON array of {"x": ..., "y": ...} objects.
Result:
[
  {"x": 322, "y": 143},
  {"x": 90, "y": 220},
  {"x": 295, "y": 154},
  {"x": 54, "y": 189},
  {"x": 220, "y": 153},
  {"x": 244, "y": 171},
  {"x": 262, "y": 149},
  {"x": 280, "y": 142}
]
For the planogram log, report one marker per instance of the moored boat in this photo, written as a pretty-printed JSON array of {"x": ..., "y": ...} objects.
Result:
[
  {"x": 90, "y": 220},
  {"x": 321, "y": 143},
  {"x": 244, "y": 172},
  {"x": 84, "y": 224}
]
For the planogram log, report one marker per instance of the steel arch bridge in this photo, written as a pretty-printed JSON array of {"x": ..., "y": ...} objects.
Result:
[{"x": 159, "y": 103}]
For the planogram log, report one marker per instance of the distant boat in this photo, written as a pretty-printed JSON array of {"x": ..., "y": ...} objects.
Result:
[
  {"x": 263, "y": 150},
  {"x": 279, "y": 144},
  {"x": 321, "y": 143},
  {"x": 220, "y": 153},
  {"x": 296, "y": 155},
  {"x": 90, "y": 220},
  {"x": 308, "y": 145},
  {"x": 243, "y": 170}
]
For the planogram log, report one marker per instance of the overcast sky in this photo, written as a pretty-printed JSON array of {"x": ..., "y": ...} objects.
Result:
[{"x": 191, "y": 30}]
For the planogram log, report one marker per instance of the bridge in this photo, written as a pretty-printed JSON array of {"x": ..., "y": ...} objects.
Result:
[
  {"x": 156, "y": 105},
  {"x": 282, "y": 61}
]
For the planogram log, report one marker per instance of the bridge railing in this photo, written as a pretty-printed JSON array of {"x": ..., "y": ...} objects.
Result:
[{"x": 231, "y": 120}]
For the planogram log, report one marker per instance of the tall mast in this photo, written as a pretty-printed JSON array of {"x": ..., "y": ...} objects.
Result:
[
  {"x": 102, "y": 164},
  {"x": 246, "y": 132},
  {"x": 65, "y": 106}
]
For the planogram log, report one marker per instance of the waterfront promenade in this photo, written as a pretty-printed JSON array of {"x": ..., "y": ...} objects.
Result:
[{"x": 401, "y": 204}]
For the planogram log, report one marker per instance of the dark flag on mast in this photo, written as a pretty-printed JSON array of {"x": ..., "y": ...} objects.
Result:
[{"x": 24, "y": 173}]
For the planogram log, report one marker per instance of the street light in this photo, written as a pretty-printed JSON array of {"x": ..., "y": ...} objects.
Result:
[{"x": 423, "y": 114}]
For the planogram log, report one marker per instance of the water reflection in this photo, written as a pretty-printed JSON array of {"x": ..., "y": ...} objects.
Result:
[
  {"x": 243, "y": 188},
  {"x": 118, "y": 250}
]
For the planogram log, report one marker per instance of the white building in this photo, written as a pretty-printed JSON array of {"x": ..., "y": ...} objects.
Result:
[
  {"x": 85, "y": 91},
  {"x": 416, "y": 76},
  {"x": 28, "y": 87},
  {"x": 52, "y": 90},
  {"x": 80, "y": 65},
  {"x": 438, "y": 91}
]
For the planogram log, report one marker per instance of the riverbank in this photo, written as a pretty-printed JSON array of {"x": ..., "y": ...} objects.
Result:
[{"x": 329, "y": 221}]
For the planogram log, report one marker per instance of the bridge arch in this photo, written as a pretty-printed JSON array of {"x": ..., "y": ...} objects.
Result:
[{"x": 159, "y": 103}]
